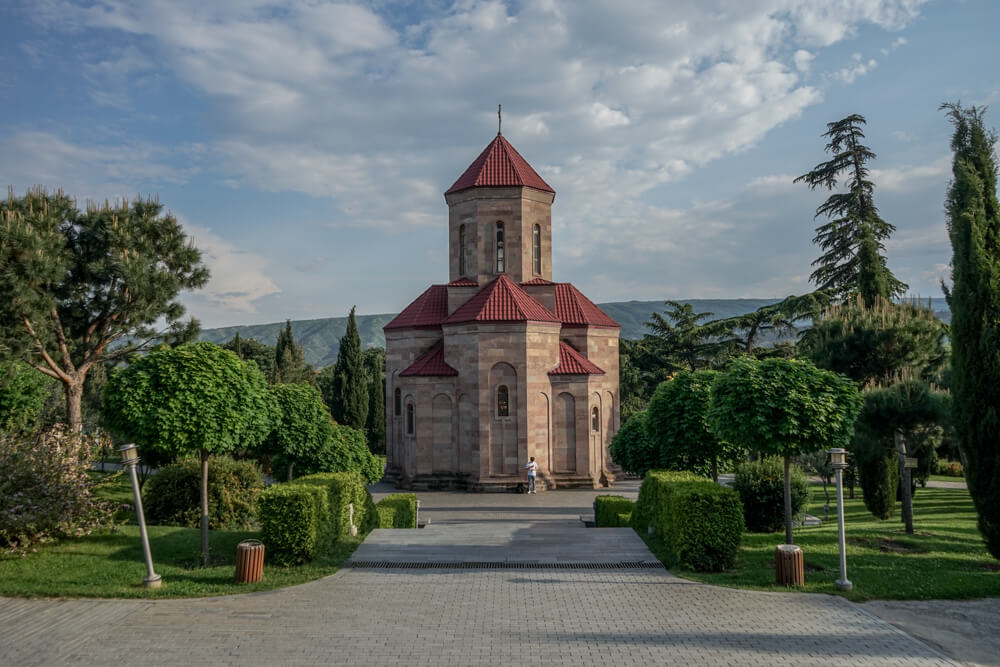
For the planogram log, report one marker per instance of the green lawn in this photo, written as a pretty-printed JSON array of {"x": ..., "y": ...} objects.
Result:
[
  {"x": 111, "y": 565},
  {"x": 945, "y": 558}
]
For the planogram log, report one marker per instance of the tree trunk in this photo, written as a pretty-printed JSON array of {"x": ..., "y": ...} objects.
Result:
[
  {"x": 204, "y": 508},
  {"x": 715, "y": 469},
  {"x": 291, "y": 466},
  {"x": 788, "y": 500},
  {"x": 905, "y": 489},
  {"x": 74, "y": 404}
]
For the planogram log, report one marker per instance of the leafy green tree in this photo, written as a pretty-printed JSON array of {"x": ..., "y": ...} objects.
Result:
[
  {"x": 853, "y": 239},
  {"x": 23, "y": 393},
  {"x": 290, "y": 360},
  {"x": 250, "y": 349},
  {"x": 974, "y": 298},
  {"x": 784, "y": 407},
  {"x": 80, "y": 288},
  {"x": 877, "y": 342},
  {"x": 375, "y": 426},
  {"x": 680, "y": 340},
  {"x": 677, "y": 425},
  {"x": 191, "y": 399},
  {"x": 889, "y": 419},
  {"x": 348, "y": 386},
  {"x": 779, "y": 318},
  {"x": 300, "y": 428},
  {"x": 631, "y": 447}
]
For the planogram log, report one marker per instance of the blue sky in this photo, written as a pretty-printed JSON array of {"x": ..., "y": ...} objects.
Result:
[{"x": 306, "y": 145}]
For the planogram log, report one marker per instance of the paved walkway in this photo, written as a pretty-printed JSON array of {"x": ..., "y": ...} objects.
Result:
[{"x": 462, "y": 616}]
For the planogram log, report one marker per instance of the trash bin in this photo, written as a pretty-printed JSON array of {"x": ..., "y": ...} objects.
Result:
[
  {"x": 249, "y": 561},
  {"x": 788, "y": 566}
]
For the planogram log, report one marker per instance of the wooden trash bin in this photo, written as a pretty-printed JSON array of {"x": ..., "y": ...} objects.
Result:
[
  {"x": 249, "y": 561},
  {"x": 789, "y": 567}
]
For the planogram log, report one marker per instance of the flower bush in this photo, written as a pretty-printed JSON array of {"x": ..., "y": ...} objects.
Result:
[{"x": 45, "y": 491}]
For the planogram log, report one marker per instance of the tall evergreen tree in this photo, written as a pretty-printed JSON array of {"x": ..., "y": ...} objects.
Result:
[
  {"x": 853, "y": 239},
  {"x": 680, "y": 340},
  {"x": 250, "y": 349},
  {"x": 290, "y": 360},
  {"x": 974, "y": 299},
  {"x": 82, "y": 288},
  {"x": 375, "y": 365},
  {"x": 349, "y": 395}
]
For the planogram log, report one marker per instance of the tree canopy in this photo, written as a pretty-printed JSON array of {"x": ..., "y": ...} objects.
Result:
[
  {"x": 79, "y": 288},
  {"x": 853, "y": 239},
  {"x": 974, "y": 297},
  {"x": 346, "y": 387}
]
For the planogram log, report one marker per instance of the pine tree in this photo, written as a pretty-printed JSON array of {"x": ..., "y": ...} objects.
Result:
[
  {"x": 853, "y": 240},
  {"x": 350, "y": 381},
  {"x": 685, "y": 342},
  {"x": 290, "y": 360},
  {"x": 974, "y": 299}
]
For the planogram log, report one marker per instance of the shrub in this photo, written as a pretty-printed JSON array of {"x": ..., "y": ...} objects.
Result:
[
  {"x": 397, "y": 510},
  {"x": 303, "y": 517},
  {"x": 879, "y": 477},
  {"x": 608, "y": 508},
  {"x": 292, "y": 518},
  {"x": 950, "y": 468},
  {"x": 650, "y": 495},
  {"x": 45, "y": 489},
  {"x": 631, "y": 448},
  {"x": 761, "y": 487},
  {"x": 700, "y": 522},
  {"x": 172, "y": 496},
  {"x": 340, "y": 449},
  {"x": 623, "y": 520},
  {"x": 23, "y": 393}
]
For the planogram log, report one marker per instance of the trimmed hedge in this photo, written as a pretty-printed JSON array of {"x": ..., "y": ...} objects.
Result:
[
  {"x": 761, "y": 485},
  {"x": 608, "y": 509},
  {"x": 300, "y": 518},
  {"x": 700, "y": 522},
  {"x": 172, "y": 497},
  {"x": 397, "y": 510}
]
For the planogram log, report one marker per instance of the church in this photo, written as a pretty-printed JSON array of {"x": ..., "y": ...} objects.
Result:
[{"x": 501, "y": 363}]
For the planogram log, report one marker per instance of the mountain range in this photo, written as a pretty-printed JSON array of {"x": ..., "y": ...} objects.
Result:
[{"x": 320, "y": 338}]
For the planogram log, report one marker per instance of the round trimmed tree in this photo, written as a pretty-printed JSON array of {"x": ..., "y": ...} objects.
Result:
[
  {"x": 301, "y": 427},
  {"x": 631, "y": 447},
  {"x": 784, "y": 407},
  {"x": 677, "y": 424},
  {"x": 192, "y": 399}
]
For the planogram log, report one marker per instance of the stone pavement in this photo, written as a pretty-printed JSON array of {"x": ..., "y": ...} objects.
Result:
[{"x": 459, "y": 616}]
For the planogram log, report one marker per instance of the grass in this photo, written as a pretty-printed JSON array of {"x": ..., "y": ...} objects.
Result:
[
  {"x": 945, "y": 478},
  {"x": 110, "y": 564},
  {"x": 945, "y": 558}
]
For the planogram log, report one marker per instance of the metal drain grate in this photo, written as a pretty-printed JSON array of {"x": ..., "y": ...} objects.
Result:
[{"x": 398, "y": 565}]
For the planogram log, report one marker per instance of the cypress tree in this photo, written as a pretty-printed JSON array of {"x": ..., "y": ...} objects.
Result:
[
  {"x": 290, "y": 360},
  {"x": 375, "y": 364},
  {"x": 350, "y": 381},
  {"x": 974, "y": 299},
  {"x": 852, "y": 241}
]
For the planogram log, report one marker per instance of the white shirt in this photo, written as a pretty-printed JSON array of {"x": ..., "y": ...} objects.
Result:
[{"x": 531, "y": 468}]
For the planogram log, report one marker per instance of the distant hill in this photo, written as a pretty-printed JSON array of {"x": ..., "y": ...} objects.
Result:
[{"x": 321, "y": 337}]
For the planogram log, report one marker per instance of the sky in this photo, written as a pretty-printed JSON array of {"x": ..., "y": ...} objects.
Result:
[{"x": 306, "y": 146}]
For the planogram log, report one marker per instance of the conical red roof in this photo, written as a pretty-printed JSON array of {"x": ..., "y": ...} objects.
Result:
[
  {"x": 499, "y": 165},
  {"x": 431, "y": 364},
  {"x": 575, "y": 310},
  {"x": 502, "y": 301},
  {"x": 572, "y": 362}
]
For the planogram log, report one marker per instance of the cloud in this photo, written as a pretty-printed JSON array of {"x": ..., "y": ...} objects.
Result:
[
  {"x": 858, "y": 67},
  {"x": 238, "y": 278},
  {"x": 911, "y": 178},
  {"x": 803, "y": 60}
]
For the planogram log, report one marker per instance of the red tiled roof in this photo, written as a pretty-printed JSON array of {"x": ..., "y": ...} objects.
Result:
[
  {"x": 537, "y": 281},
  {"x": 462, "y": 282},
  {"x": 572, "y": 362},
  {"x": 499, "y": 165},
  {"x": 431, "y": 364},
  {"x": 502, "y": 301},
  {"x": 574, "y": 309},
  {"x": 427, "y": 310}
]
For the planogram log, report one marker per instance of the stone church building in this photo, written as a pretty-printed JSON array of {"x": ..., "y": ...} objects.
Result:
[{"x": 501, "y": 363}]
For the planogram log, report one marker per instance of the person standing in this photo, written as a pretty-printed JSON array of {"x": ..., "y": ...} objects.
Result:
[{"x": 532, "y": 469}]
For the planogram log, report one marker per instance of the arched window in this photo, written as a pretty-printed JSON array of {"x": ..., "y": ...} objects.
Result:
[
  {"x": 595, "y": 419},
  {"x": 499, "y": 247},
  {"x": 461, "y": 250},
  {"x": 398, "y": 402},
  {"x": 536, "y": 249},
  {"x": 503, "y": 401},
  {"x": 409, "y": 419}
]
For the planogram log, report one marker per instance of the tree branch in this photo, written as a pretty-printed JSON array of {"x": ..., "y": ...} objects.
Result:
[
  {"x": 61, "y": 339},
  {"x": 57, "y": 372}
]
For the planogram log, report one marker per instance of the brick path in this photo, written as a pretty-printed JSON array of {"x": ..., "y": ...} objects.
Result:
[{"x": 444, "y": 617}]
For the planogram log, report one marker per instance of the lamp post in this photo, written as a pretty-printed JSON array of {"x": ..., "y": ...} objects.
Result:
[
  {"x": 838, "y": 460},
  {"x": 130, "y": 458}
]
